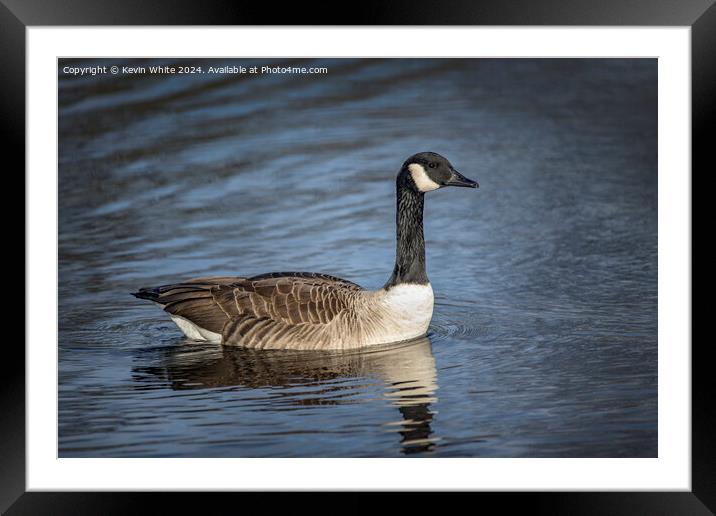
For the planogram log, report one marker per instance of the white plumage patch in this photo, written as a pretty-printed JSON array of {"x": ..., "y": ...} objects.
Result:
[
  {"x": 421, "y": 179},
  {"x": 193, "y": 331},
  {"x": 411, "y": 308}
]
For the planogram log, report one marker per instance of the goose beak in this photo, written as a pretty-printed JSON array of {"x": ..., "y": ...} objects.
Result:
[{"x": 457, "y": 179}]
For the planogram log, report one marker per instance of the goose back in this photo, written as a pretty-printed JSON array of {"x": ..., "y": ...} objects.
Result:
[{"x": 293, "y": 310}]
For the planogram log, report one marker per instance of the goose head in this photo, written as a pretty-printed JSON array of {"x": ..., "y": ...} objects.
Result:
[{"x": 429, "y": 171}]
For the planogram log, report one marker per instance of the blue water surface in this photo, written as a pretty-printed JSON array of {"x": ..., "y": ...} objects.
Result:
[{"x": 544, "y": 337}]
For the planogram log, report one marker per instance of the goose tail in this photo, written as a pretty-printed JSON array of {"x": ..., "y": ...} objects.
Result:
[{"x": 152, "y": 294}]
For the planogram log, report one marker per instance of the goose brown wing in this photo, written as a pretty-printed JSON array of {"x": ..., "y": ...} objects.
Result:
[
  {"x": 193, "y": 300},
  {"x": 287, "y": 297}
]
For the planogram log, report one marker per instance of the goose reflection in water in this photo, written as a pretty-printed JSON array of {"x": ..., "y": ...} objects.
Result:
[{"x": 406, "y": 371}]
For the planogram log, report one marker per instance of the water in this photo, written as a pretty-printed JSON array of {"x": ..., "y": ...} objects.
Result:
[{"x": 544, "y": 337}]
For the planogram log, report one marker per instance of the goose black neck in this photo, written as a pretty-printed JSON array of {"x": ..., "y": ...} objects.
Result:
[{"x": 410, "y": 246}]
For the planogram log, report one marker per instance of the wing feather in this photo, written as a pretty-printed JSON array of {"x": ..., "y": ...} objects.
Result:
[{"x": 251, "y": 310}]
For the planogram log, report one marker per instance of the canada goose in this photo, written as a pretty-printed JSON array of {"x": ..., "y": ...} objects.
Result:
[{"x": 308, "y": 310}]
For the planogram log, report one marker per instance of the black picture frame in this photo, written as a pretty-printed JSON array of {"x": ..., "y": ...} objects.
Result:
[{"x": 17, "y": 15}]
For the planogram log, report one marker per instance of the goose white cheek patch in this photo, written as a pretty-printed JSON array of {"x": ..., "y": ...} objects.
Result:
[{"x": 421, "y": 179}]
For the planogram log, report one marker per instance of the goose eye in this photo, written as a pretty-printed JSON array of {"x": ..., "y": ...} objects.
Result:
[{"x": 432, "y": 165}]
